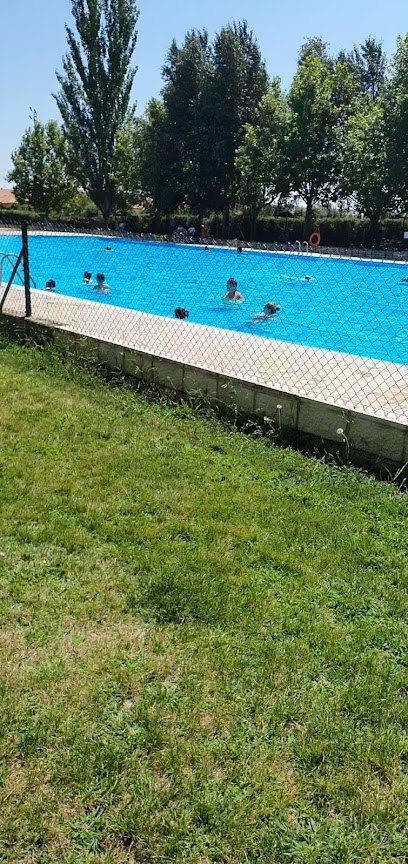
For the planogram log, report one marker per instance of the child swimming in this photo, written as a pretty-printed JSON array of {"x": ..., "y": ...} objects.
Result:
[
  {"x": 181, "y": 313},
  {"x": 268, "y": 311},
  {"x": 296, "y": 278}
]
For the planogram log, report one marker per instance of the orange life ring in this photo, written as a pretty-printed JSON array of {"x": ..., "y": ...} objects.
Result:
[{"x": 314, "y": 240}]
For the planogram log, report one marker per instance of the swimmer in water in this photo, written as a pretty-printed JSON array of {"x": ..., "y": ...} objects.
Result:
[
  {"x": 101, "y": 286},
  {"x": 50, "y": 285},
  {"x": 108, "y": 248},
  {"x": 239, "y": 249},
  {"x": 87, "y": 278},
  {"x": 232, "y": 291},
  {"x": 268, "y": 311},
  {"x": 181, "y": 313},
  {"x": 296, "y": 278},
  {"x": 206, "y": 249}
]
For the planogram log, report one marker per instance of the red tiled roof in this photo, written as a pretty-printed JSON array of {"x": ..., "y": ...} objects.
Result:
[{"x": 7, "y": 198}]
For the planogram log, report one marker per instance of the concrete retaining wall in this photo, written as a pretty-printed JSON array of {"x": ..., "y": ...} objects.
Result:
[{"x": 364, "y": 437}]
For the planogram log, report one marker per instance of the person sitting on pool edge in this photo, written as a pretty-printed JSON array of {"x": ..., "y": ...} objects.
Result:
[
  {"x": 181, "y": 313},
  {"x": 101, "y": 286},
  {"x": 267, "y": 312},
  {"x": 232, "y": 291}
]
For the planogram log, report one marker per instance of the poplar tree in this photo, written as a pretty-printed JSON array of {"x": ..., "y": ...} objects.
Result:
[{"x": 96, "y": 85}]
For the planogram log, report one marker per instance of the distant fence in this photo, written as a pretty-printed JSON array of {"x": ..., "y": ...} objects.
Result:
[{"x": 331, "y": 325}]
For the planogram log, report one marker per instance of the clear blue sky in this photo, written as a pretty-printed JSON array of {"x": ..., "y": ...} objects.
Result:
[{"x": 33, "y": 41}]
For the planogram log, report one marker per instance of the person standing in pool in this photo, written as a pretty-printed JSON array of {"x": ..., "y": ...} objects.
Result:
[
  {"x": 232, "y": 291},
  {"x": 101, "y": 286}
]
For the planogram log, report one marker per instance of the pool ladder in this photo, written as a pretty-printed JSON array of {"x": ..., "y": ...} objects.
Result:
[
  {"x": 301, "y": 247},
  {"x": 11, "y": 258}
]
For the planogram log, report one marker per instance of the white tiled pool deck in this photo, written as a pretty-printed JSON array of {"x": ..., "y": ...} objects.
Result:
[{"x": 368, "y": 386}]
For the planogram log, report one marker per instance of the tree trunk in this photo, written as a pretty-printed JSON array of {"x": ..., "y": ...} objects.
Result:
[
  {"x": 105, "y": 216},
  {"x": 226, "y": 222},
  {"x": 254, "y": 222},
  {"x": 308, "y": 218},
  {"x": 106, "y": 206},
  {"x": 374, "y": 227}
]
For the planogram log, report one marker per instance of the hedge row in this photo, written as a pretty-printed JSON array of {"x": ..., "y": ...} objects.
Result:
[
  {"x": 16, "y": 215},
  {"x": 335, "y": 231}
]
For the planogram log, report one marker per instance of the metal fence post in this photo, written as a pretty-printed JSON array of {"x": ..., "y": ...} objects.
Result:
[{"x": 26, "y": 266}]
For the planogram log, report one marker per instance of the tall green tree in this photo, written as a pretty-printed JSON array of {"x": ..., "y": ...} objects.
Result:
[
  {"x": 210, "y": 92},
  {"x": 186, "y": 96},
  {"x": 239, "y": 83},
  {"x": 126, "y": 165},
  {"x": 321, "y": 100},
  {"x": 366, "y": 164},
  {"x": 368, "y": 63},
  {"x": 311, "y": 143},
  {"x": 396, "y": 117},
  {"x": 39, "y": 174},
  {"x": 176, "y": 169},
  {"x": 315, "y": 46},
  {"x": 259, "y": 157},
  {"x": 161, "y": 171},
  {"x": 371, "y": 63},
  {"x": 96, "y": 84}
]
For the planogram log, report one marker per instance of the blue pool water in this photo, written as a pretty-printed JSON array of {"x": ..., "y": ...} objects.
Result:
[{"x": 358, "y": 307}]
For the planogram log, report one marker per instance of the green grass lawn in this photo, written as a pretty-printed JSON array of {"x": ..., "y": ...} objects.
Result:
[{"x": 203, "y": 638}]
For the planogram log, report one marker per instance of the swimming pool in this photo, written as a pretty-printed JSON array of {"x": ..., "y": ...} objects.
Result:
[{"x": 354, "y": 306}]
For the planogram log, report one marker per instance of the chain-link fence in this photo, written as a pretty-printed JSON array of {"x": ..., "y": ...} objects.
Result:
[{"x": 328, "y": 324}]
